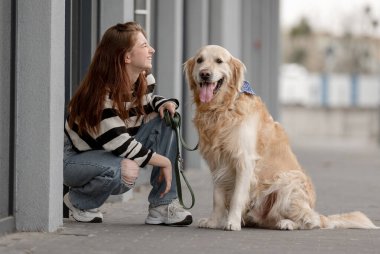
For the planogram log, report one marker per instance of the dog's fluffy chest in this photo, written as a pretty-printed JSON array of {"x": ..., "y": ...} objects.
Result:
[{"x": 224, "y": 138}]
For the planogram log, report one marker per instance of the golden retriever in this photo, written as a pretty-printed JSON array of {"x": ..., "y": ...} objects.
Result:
[{"x": 257, "y": 179}]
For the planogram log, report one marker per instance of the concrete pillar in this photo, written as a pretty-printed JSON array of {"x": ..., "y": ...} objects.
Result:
[
  {"x": 7, "y": 222},
  {"x": 168, "y": 43},
  {"x": 113, "y": 12},
  {"x": 39, "y": 116},
  {"x": 196, "y": 35},
  {"x": 5, "y": 101},
  {"x": 260, "y": 44},
  {"x": 225, "y": 23}
]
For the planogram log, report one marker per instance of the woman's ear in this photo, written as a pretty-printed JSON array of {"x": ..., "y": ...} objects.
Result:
[{"x": 127, "y": 58}]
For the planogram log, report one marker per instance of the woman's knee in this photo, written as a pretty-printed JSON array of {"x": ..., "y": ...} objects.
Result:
[{"x": 83, "y": 167}]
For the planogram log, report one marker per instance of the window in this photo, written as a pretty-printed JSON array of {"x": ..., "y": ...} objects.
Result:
[{"x": 142, "y": 14}]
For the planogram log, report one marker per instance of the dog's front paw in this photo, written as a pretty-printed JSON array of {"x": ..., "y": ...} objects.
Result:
[
  {"x": 233, "y": 227},
  {"x": 233, "y": 224},
  {"x": 208, "y": 223},
  {"x": 286, "y": 224}
]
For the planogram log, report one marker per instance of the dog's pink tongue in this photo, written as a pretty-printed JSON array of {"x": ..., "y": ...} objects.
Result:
[{"x": 207, "y": 91}]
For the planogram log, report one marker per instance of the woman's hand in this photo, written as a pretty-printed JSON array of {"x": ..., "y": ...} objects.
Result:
[
  {"x": 129, "y": 172},
  {"x": 170, "y": 106},
  {"x": 166, "y": 174},
  {"x": 166, "y": 170}
]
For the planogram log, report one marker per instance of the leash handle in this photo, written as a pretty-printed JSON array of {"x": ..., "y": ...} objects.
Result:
[{"x": 175, "y": 123}]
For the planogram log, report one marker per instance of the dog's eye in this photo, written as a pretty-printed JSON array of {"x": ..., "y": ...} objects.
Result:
[
  {"x": 219, "y": 61},
  {"x": 200, "y": 60}
]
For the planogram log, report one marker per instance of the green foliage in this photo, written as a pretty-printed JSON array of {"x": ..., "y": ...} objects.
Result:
[{"x": 303, "y": 28}]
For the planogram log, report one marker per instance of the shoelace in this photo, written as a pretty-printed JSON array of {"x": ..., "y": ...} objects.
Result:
[{"x": 174, "y": 207}]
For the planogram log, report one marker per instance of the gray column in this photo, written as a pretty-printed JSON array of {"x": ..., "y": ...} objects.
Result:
[
  {"x": 196, "y": 35},
  {"x": 225, "y": 24},
  {"x": 40, "y": 109},
  {"x": 113, "y": 12},
  {"x": 168, "y": 43},
  {"x": 6, "y": 219},
  {"x": 260, "y": 44}
]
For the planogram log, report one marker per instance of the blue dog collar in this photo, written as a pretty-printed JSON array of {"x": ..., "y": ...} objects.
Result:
[{"x": 247, "y": 88}]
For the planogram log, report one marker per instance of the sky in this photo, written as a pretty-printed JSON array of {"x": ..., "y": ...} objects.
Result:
[{"x": 331, "y": 15}]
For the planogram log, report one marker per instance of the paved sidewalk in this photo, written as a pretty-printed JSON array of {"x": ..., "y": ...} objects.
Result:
[{"x": 346, "y": 179}]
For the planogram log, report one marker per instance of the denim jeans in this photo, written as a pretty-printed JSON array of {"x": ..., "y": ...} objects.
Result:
[{"x": 96, "y": 174}]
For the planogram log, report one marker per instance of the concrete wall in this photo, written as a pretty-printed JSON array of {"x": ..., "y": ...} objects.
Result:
[{"x": 40, "y": 107}]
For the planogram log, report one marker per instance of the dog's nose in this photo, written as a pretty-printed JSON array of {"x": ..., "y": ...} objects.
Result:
[{"x": 205, "y": 75}]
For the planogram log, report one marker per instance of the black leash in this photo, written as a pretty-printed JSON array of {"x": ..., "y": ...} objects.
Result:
[{"x": 175, "y": 123}]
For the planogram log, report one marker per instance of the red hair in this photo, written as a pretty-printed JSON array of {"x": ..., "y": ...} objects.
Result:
[{"x": 107, "y": 74}]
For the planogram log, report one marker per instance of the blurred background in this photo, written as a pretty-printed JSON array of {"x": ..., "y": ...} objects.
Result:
[{"x": 329, "y": 76}]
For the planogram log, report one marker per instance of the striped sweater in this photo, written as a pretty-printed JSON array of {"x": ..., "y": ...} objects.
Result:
[{"x": 116, "y": 135}]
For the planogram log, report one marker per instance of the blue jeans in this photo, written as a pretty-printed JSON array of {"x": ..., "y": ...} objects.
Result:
[{"x": 96, "y": 174}]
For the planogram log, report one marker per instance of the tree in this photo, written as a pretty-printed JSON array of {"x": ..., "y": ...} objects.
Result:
[
  {"x": 302, "y": 29},
  {"x": 299, "y": 35}
]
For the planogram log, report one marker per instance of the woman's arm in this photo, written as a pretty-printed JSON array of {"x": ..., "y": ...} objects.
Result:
[
  {"x": 166, "y": 170},
  {"x": 113, "y": 136}
]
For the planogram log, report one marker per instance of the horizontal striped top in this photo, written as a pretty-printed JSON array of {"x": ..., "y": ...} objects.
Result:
[{"x": 116, "y": 135}]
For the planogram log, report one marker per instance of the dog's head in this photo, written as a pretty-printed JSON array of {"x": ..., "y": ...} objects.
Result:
[{"x": 213, "y": 73}]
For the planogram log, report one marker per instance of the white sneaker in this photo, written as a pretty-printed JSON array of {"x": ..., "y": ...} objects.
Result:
[
  {"x": 171, "y": 214},
  {"x": 90, "y": 215}
]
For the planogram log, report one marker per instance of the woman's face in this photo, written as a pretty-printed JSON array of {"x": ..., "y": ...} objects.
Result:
[{"x": 139, "y": 58}]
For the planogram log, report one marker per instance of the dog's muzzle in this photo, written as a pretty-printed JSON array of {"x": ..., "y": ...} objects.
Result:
[{"x": 208, "y": 88}]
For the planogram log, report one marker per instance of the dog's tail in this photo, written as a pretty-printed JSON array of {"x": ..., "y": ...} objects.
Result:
[{"x": 347, "y": 220}]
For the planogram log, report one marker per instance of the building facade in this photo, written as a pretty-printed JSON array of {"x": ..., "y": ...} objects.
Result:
[{"x": 45, "y": 52}]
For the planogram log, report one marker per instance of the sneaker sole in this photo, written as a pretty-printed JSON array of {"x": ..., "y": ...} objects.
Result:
[
  {"x": 94, "y": 220},
  {"x": 187, "y": 221},
  {"x": 84, "y": 220}
]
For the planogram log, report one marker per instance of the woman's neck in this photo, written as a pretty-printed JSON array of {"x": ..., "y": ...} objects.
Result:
[
  {"x": 133, "y": 77},
  {"x": 133, "y": 74}
]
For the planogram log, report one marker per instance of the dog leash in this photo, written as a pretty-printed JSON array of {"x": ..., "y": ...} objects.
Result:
[{"x": 175, "y": 123}]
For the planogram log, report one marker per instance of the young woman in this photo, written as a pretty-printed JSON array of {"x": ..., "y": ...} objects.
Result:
[{"x": 114, "y": 127}]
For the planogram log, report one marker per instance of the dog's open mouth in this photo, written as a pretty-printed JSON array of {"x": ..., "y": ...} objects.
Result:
[{"x": 209, "y": 89}]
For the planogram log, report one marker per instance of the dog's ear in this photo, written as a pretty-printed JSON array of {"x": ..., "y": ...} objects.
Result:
[
  {"x": 188, "y": 68},
  {"x": 238, "y": 69}
]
